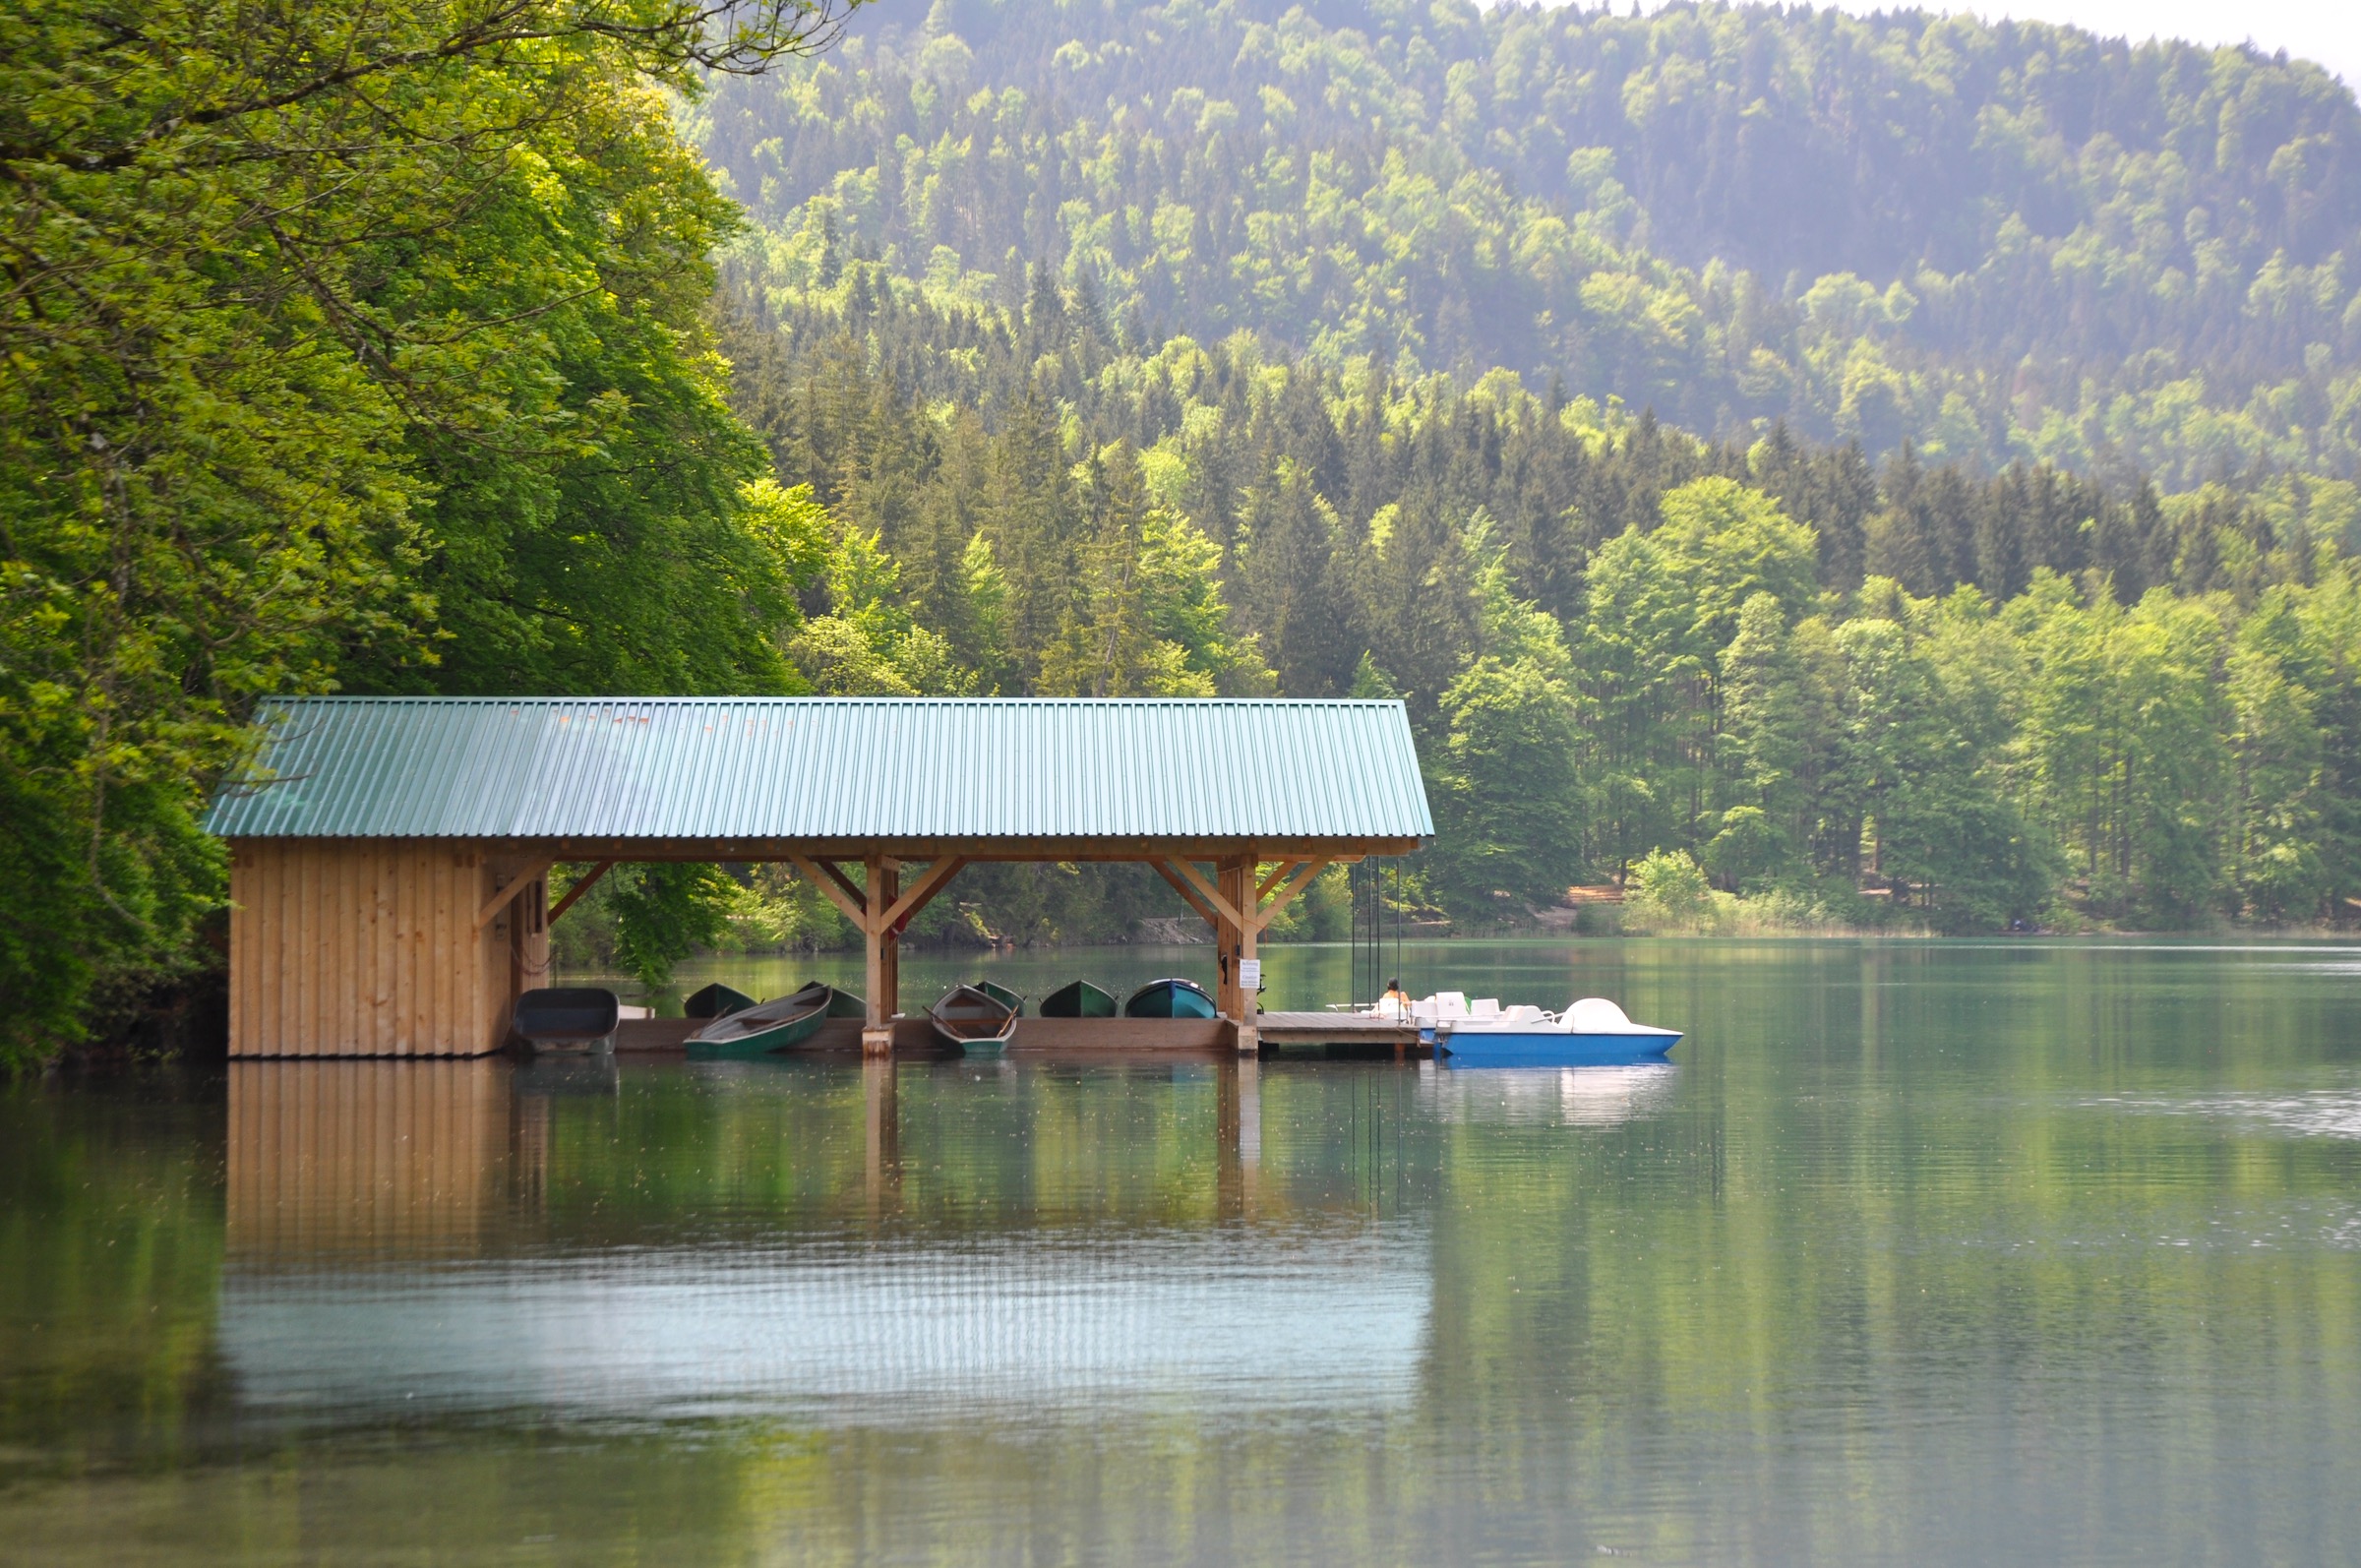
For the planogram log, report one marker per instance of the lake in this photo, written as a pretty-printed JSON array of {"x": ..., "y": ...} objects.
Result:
[{"x": 1917, "y": 1252}]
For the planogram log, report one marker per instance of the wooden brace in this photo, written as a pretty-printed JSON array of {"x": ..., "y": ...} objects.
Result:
[
  {"x": 501, "y": 900},
  {"x": 579, "y": 888}
]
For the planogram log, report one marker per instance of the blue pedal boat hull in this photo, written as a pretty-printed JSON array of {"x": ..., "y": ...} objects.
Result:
[{"x": 1548, "y": 1048}]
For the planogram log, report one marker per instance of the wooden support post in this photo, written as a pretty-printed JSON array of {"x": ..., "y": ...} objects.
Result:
[
  {"x": 881, "y": 951},
  {"x": 1249, "y": 959},
  {"x": 888, "y": 886},
  {"x": 1237, "y": 939}
]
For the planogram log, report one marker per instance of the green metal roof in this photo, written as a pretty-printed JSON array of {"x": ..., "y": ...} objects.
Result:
[{"x": 821, "y": 768}]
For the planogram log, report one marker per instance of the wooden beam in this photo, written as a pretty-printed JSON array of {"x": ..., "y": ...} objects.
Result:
[
  {"x": 858, "y": 892},
  {"x": 579, "y": 888},
  {"x": 1187, "y": 893},
  {"x": 500, "y": 900},
  {"x": 922, "y": 891},
  {"x": 1211, "y": 894},
  {"x": 839, "y": 888},
  {"x": 1262, "y": 890},
  {"x": 1287, "y": 895}
]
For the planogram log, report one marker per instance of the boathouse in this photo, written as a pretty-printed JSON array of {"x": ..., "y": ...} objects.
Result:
[{"x": 390, "y": 856}]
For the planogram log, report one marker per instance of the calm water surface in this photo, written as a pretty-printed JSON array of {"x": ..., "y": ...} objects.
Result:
[{"x": 1919, "y": 1253}]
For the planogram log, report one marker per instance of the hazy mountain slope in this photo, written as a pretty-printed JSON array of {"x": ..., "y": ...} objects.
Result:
[{"x": 2000, "y": 240}]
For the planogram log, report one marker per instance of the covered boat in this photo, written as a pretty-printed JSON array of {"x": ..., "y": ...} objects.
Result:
[
  {"x": 1079, "y": 999},
  {"x": 568, "y": 1017},
  {"x": 1170, "y": 999},
  {"x": 716, "y": 1001},
  {"x": 767, "y": 1026},
  {"x": 973, "y": 1019},
  {"x": 1592, "y": 1032}
]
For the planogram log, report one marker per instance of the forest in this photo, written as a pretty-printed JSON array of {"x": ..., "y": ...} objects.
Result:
[
  {"x": 1999, "y": 241},
  {"x": 1815, "y": 472}
]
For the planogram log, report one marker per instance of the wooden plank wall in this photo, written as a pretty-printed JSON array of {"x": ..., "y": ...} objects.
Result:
[
  {"x": 389, "y": 1158},
  {"x": 358, "y": 948}
]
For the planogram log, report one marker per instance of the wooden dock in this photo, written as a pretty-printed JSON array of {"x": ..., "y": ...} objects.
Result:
[
  {"x": 1114, "y": 1036},
  {"x": 1340, "y": 1029}
]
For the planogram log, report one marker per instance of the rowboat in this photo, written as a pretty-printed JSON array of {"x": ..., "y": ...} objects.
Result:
[
  {"x": 568, "y": 1017},
  {"x": 843, "y": 1003},
  {"x": 1079, "y": 999},
  {"x": 1590, "y": 1033},
  {"x": 771, "y": 1026},
  {"x": 973, "y": 1019},
  {"x": 1002, "y": 993},
  {"x": 1170, "y": 999},
  {"x": 716, "y": 1001}
]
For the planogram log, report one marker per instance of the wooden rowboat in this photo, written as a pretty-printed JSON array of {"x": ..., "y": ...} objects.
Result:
[
  {"x": 1080, "y": 1000},
  {"x": 973, "y": 1019},
  {"x": 1170, "y": 999},
  {"x": 843, "y": 1003},
  {"x": 1002, "y": 993},
  {"x": 771, "y": 1026}
]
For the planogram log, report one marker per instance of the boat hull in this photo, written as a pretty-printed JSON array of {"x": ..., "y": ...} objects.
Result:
[
  {"x": 763, "y": 1043},
  {"x": 1080, "y": 1000},
  {"x": 567, "y": 1018},
  {"x": 1549, "y": 1049},
  {"x": 1168, "y": 998}
]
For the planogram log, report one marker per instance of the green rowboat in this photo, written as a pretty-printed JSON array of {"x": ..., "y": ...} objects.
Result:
[
  {"x": 1080, "y": 1000},
  {"x": 1170, "y": 999},
  {"x": 1002, "y": 993},
  {"x": 761, "y": 1030}
]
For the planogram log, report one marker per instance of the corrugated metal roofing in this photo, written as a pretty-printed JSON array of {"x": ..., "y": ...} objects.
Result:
[{"x": 831, "y": 769}]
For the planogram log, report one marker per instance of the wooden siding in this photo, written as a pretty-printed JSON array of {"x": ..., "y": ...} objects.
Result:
[{"x": 360, "y": 947}]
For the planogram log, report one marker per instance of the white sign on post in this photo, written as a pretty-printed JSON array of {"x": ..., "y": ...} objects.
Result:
[{"x": 1250, "y": 975}]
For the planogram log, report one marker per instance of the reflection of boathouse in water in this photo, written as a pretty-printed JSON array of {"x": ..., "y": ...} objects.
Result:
[
  {"x": 389, "y": 859},
  {"x": 386, "y": 1247}
]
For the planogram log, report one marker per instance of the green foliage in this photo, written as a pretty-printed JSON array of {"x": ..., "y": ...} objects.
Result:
[
  {"x": 1507, "y": 814},
  {"x": 343, "y": 344},
  {"x": 1993, "y": 240},
  {"x": 1612, "y": 637},
  {"x": 665, "y": 912},
  {"x": 1668, "y": 891}
]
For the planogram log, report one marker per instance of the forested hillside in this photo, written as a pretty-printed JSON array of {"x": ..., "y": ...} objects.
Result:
[
  {"x": 1997, "y": 241},
  {"x": 1860, "y": 693}
]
